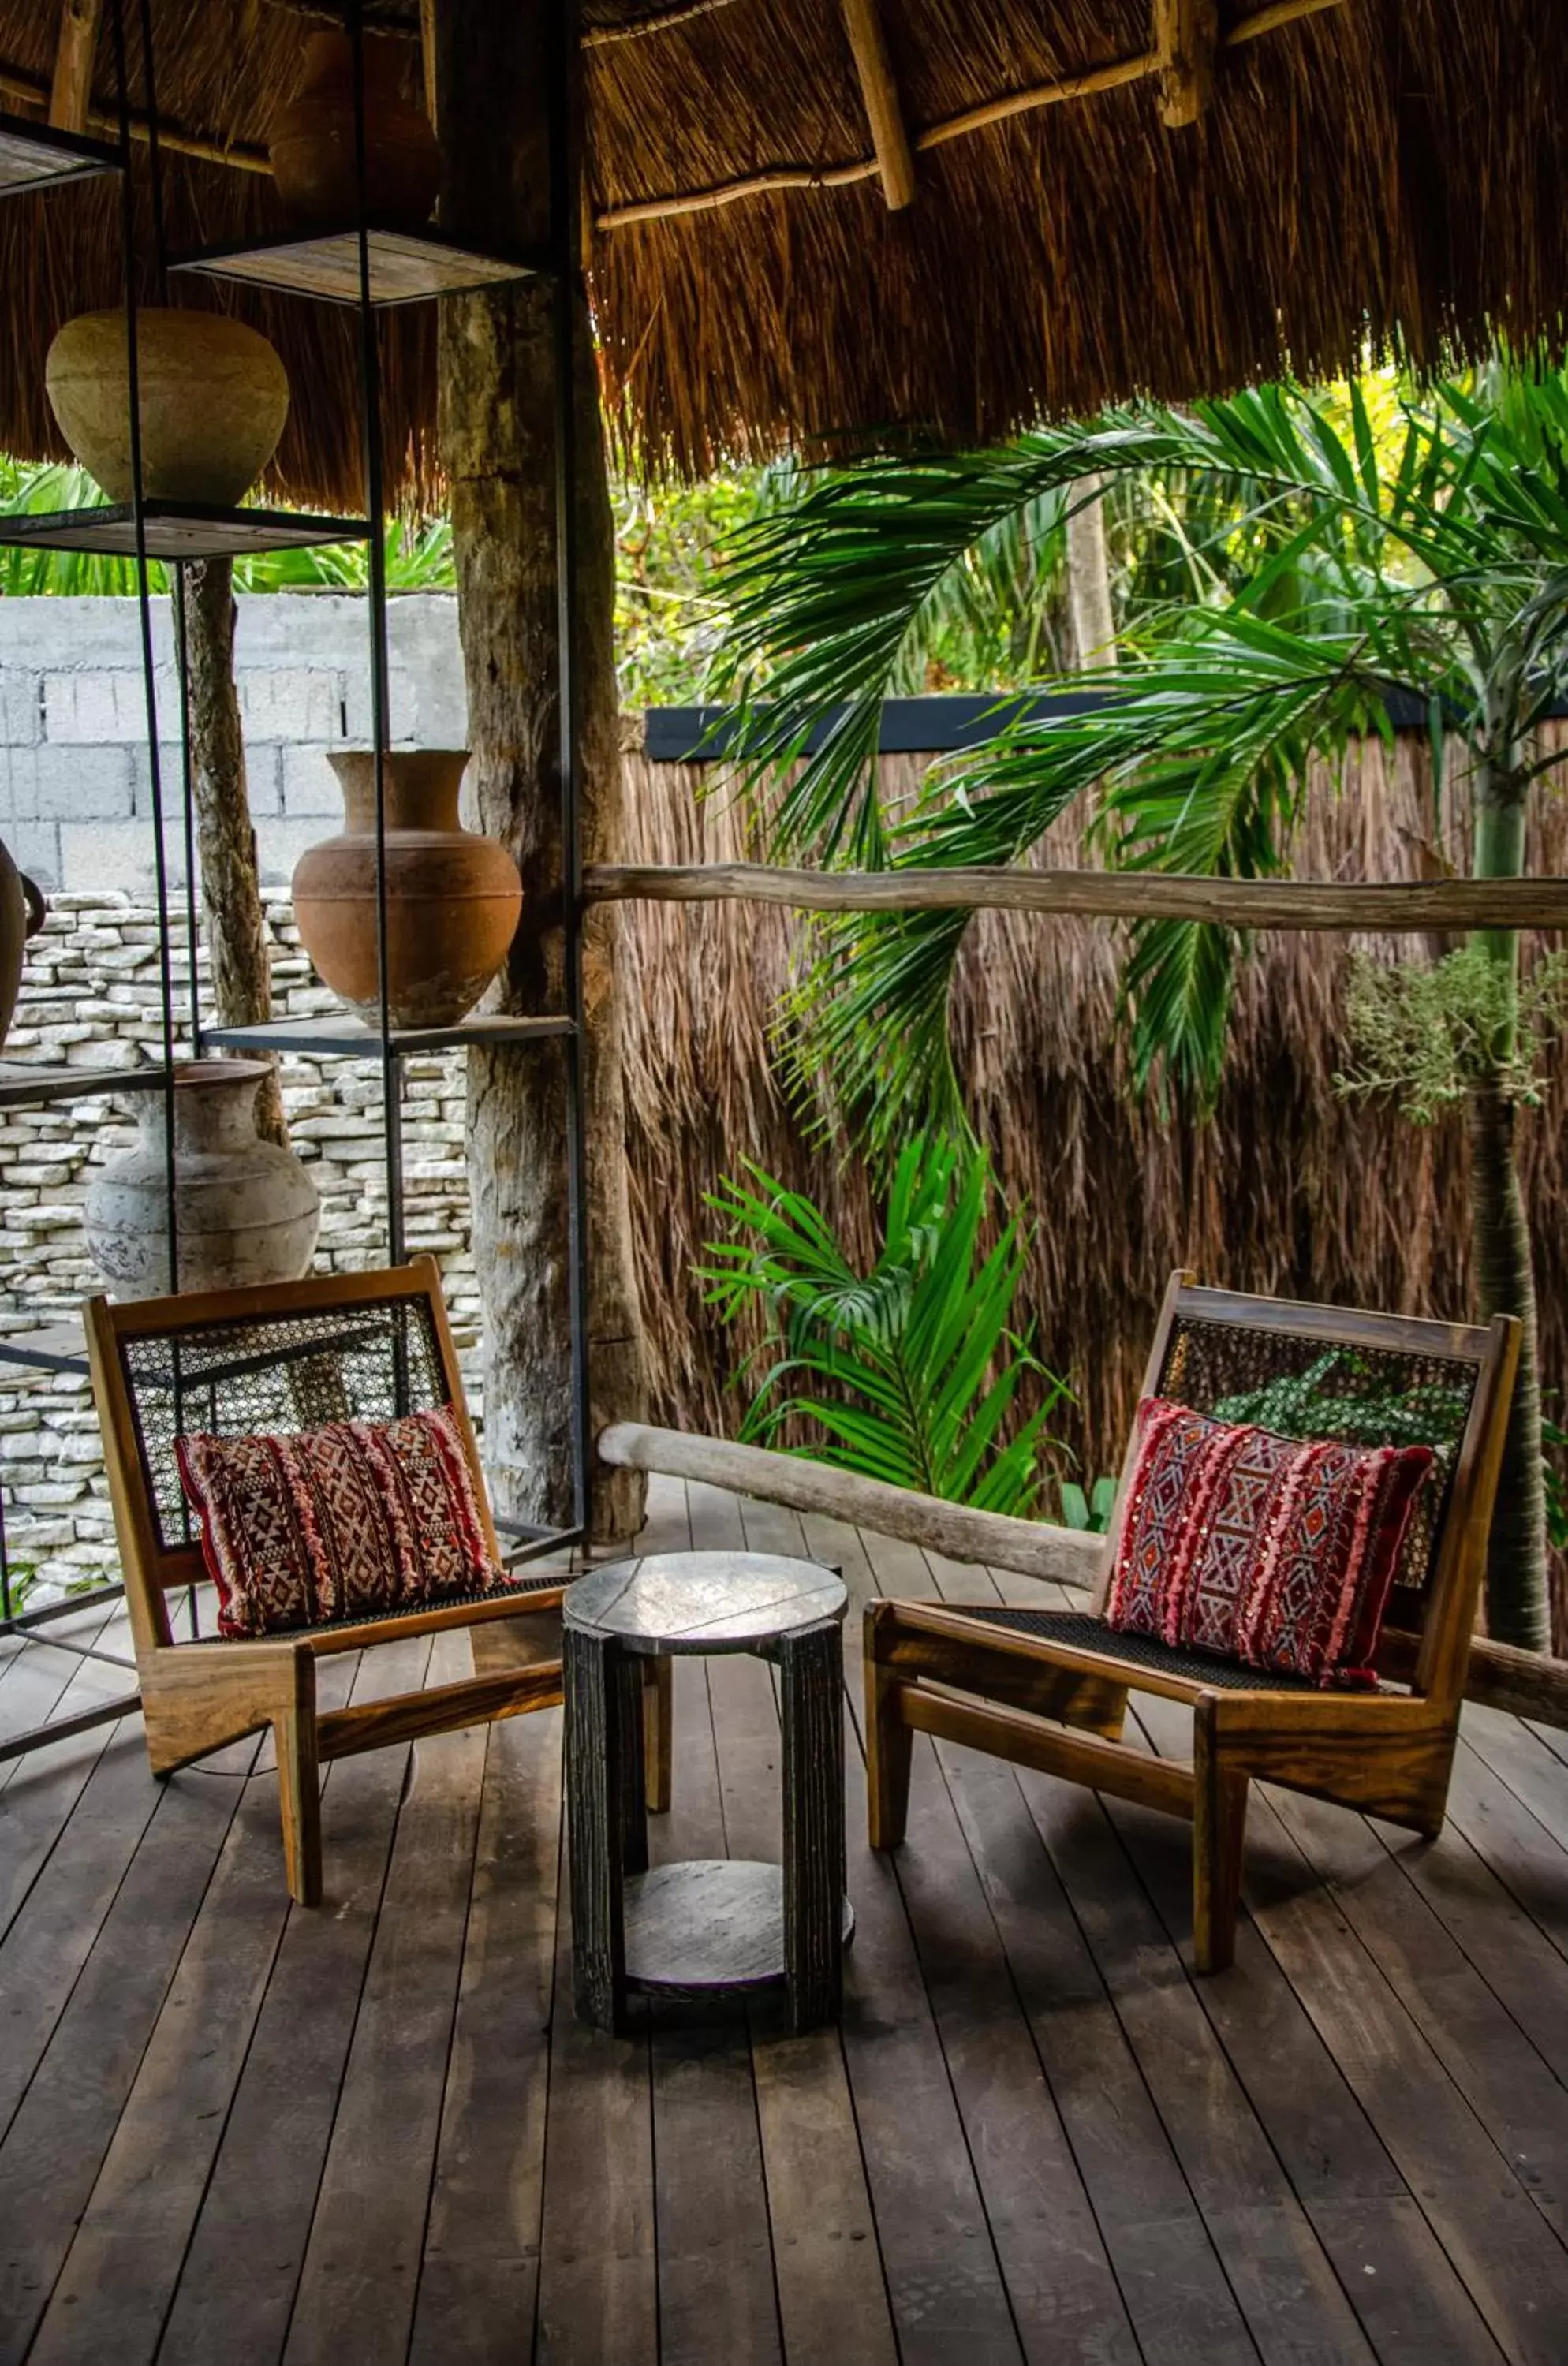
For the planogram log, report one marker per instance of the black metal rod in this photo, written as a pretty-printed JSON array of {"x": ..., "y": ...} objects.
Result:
[
  {"x": 187, "y": 769},
  {"x": 381, "y": 712},
  {"x": 40, "y": 1736},
  {"x": 154, "y": 150},
  {"x": 564, "y": 247},
  {"x": 144, "y": 612},
  {"x": 21, "y": 1621}
]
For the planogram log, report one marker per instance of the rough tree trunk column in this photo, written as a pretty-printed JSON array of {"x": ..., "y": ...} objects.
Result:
[
  {"x": 498, "y": 447},
  {"x": 226, "y": 843}
]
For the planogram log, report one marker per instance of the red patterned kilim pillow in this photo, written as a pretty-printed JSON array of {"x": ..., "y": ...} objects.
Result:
[
  {"x": 1261, "y": 1549},
  {"x": 346, "y": 1522}
]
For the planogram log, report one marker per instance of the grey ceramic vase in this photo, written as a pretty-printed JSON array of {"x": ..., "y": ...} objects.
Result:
[{"x": 245, "y": 1211}]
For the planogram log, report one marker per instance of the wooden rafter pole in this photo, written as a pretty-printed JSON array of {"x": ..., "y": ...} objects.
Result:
[
  {"x": 1395, "y": 907},
  {"x": 884, "y": 108},
  {"x": 70, "y": 95},
  {"x": 1187, "y": 37}
]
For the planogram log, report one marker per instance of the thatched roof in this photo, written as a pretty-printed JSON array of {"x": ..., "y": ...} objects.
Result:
[{"x": 1382, "y": 172}]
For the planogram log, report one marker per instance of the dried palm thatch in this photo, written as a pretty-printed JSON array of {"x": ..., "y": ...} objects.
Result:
[
  {"x": 1382, "y": 172},
  {"x": 1291, "y": 1189}
]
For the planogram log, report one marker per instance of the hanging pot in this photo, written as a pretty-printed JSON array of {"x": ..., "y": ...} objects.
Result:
[
  {"x": 214, "y": 399},
  {"x": 245, "y": 1211},
  {"x": 312, "y": 146},
  {"x": 22, "y": 915},
  {"x": 452, "y": 898}
]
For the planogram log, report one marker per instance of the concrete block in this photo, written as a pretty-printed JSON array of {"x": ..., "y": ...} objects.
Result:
[
  {"x": 293, "y": 702},
  {"x": 21, "y": 706},
  {"x": 310, "y": 786},
  {"x": 76, "y": 783},
  {"x": 85, "y": 705}
]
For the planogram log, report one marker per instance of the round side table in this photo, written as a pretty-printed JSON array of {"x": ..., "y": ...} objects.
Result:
[{"x": 711, "y": 1928}]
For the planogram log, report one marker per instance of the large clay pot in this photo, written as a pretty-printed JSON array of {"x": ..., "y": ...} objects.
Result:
[
  {"x": 452, "y": 898},
  {"x": 214, "y": 398},
  {"x": 312, "y": 145},
  {"x": 22, "y": 911},
  {"x": 244, "y": 1211}
]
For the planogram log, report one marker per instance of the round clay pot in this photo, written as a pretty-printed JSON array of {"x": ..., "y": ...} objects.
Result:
[
  {"x": 452, "y": 898},
  {"x": 245, "y": 1211},
  {"x": 312, "y": 145},
  {"x": 214, "y": 398},
  {"x": 22, "y": 912}
]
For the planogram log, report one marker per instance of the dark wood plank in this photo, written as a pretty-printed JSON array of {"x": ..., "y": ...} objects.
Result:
[
  {"x": 237, "y": 2283},
  {"x": 1511, "y": 2090},
  {"x": 113, "y": 2292},
  {"x": 832, "y": 2297},
  {"x": 943, "y": 2277},
  {"x": 598, "y": 2302},
  {"x": 1061, "y": 2285},
  {"x": 36, "y": 1810},
  {"x": 1290, "y": 2295},
  {"x": 1404, "y": 2292},
  {"x": 1529, "y": 1862},
  {"x": 67, "y": 2121},
  {"x": 1509, "y": 2260},
  {"x": 1171, "y": 2283},
  {"x": 715, "y": 2268},
  {"x": 479, "y": 2284},
  {"x": 358, "y": 2283}
]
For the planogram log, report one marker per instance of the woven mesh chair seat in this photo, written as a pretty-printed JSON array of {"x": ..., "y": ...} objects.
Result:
[{"x": 1082, "y": 1631}]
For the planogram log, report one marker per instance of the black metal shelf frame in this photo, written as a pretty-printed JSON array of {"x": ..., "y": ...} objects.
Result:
[{"x": 366, "y": 269}]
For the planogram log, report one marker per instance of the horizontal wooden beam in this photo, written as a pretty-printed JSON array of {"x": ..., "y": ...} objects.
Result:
[
  {"x": 1523, "y": 1683},
  {"x": 1062, "y": 1555},
  {"x": 32, "y": 92},
  {"x": 1113, "y": 76},
  {"x": 1395, "y": 907}
]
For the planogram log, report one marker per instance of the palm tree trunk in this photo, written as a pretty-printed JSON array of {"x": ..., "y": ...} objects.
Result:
[
  {"x": 1517, "y": 1606},
  {"x": 1089, "y": 582}
]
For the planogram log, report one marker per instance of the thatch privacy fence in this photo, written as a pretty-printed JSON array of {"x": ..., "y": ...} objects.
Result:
[{"x": 1288, "y": 1189}]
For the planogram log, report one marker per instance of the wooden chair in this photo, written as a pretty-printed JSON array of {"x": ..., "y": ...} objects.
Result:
[
  {"x": 1049, "y": 1689},
  {"x": 289, "y": 1357}
]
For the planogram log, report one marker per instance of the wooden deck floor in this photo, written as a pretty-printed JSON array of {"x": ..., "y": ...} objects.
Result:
[{"x": 235, "y": 2133}]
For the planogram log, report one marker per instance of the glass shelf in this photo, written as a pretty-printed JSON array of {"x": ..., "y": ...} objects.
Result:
[
  {"x": 35, "y": 156},
  {"x": 406, "y": 267},
  {"x": 176, "y": 531},
  {"x": 32, "y": 1084},
  {"x": 336, "y": 1036}
]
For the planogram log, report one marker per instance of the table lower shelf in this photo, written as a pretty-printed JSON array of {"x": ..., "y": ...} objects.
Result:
[{"x": 712, "y": 1927}]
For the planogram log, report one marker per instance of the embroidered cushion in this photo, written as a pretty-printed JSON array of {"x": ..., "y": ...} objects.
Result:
[
  {"x": 1261, "y": 1549},
  {"x": 345, "y": 1522}
]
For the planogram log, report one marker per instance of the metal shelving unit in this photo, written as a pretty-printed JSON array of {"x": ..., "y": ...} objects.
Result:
[{"x": 366, "y": 269}]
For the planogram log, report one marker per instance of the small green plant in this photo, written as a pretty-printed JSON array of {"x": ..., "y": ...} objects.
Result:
[
  {"x": 910, "y": 1373},
  {"x": 1340, "y": 1395},
  {"x": 1090, "y": 1512},
  {"x": 1428, "y": 1035}
]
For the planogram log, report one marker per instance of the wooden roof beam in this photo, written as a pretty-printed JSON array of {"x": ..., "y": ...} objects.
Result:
[
  {"x": 879, "y": 90},
  {"x": 1187, "y": 36},
  {"x": 70, "y": 93}
]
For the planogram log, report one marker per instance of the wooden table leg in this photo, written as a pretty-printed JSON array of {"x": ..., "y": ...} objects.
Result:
[
  {"x": 606, "y": 1822},
  {"x": 811, "y": 1668}
]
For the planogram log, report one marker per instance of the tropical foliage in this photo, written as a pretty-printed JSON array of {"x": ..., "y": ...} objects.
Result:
[
  {"x": 912, "y": 1372},
  {"x": 1335, "y": 559}
]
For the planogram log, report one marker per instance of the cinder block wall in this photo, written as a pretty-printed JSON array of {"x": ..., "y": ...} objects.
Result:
[{"x": 75, "y": 789}]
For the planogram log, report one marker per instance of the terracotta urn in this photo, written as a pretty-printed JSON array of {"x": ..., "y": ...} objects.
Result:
[
  {"x": 22, "y": 913},
  {"x": 244, "y": 1210},
  {"x": 313, "y": 144},
  {"x": 214, "y": 399},
  {"x": 452, "y": 898}
]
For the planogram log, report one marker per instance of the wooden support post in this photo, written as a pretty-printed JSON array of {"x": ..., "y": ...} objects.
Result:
[
  {"x": 70, "y": 93},
  {"x": 427, "y": 55},
  {"x": 889, "y": 134},
  {"x": 1187, "y": 35}
]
